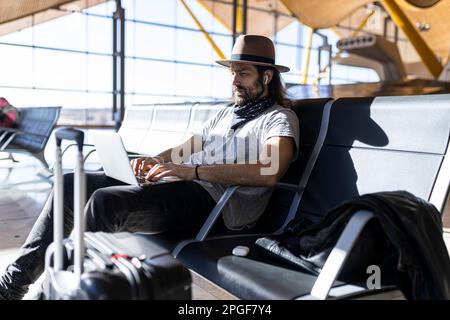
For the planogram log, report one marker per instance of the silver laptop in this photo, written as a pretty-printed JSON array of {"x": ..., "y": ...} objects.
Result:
[{"x": 115, "y": 161}]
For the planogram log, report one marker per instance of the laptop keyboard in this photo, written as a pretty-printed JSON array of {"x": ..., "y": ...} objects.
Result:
[{"x": 141, "y": 179}]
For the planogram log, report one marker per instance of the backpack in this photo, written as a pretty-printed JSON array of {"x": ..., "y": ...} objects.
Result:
[{"x": 9, "y": 115}]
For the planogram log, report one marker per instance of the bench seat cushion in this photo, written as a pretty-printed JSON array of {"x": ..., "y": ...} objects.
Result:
[{"x": 257, "y": 276}]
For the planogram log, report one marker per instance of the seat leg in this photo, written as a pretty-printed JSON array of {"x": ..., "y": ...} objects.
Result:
[
  {"x": 45, "y": 173},
  {"x": 10, "y": 157},
  {"x": 40, "y": 156}
]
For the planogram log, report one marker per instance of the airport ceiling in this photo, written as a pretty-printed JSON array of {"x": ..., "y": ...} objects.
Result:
[
  {"x": 20, "y": 14},
  {"x": 432, "y": 17}
]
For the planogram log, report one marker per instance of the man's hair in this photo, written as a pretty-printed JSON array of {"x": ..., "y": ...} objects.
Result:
[{"x": 275, "y": 87}]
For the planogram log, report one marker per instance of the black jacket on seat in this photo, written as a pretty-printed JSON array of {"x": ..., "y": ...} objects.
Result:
[{"x": 405, "y": 239}]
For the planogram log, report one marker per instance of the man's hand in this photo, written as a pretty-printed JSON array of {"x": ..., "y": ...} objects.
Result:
[
  {"x": 143, "y": 165},
  {"x": 161, "y": 170}
]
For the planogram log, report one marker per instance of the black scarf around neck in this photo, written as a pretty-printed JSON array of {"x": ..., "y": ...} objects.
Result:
[{"x": 250, "y": 110}]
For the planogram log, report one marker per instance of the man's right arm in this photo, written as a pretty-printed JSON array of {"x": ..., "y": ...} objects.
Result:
[{"x": 180, "y": 152}]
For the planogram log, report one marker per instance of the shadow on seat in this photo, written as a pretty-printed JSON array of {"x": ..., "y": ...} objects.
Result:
[{"x": 372, "y": 145}]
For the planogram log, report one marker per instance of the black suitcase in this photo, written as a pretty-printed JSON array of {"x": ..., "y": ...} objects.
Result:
[{"x": 103, "y": 266}]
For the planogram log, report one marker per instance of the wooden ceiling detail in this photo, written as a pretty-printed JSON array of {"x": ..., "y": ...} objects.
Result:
[
  {"x": 433, "y": 21},
  {"x": 323, "y": 13},
  {"x": 258, "y": 22},
  {"x": 15, "y": 9},
  {"x": 16, "y": 15}
]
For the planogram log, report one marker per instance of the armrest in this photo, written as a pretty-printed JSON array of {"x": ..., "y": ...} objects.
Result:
[
  {"x": 17, "y": 131},
  {"x": 74, "y": 144},
  {"x": 206, "y": 228},
  {"x": 130, "y": 156},
  {"x": 340, "y": 253},
  {"x": 288, "y": 186},
  {"x": 298, "y": 189},
  {"x": 9, "y": 134},
  {"x": 209, "y": 223}
]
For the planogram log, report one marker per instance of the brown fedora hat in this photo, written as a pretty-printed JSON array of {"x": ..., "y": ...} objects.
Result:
[{"x": 253, "y": 49}]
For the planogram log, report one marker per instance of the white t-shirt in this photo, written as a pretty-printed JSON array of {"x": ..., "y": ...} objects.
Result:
[{"x": 222, "y": 145}]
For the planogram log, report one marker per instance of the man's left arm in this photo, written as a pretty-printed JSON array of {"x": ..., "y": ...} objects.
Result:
[{"x": 274, "y": 161}]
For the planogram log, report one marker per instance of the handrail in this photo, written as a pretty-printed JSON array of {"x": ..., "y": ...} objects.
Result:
[
  {"x": 341, "y": 251},
  {"x": 209, "y": 223}
]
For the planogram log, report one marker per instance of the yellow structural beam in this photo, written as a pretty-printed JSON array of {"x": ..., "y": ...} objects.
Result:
[
  {"x": 207, "y": 36},
  {"x": 213, "y": 13},
  {"x": 239, "y": 14},
  {"x": 402, "y": 21},
  {"x": 363, "y": 23},
  {"x": 307, "y": 57}
]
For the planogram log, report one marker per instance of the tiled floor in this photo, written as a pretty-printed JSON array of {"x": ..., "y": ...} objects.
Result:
[{"x": 20, "y": 204}]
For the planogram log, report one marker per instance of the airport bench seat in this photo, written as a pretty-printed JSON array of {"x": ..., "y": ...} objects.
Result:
[
  {"x": 310, "y": 114},
  {"x": 368, "y": 145},
  {"x": 32, "y": 132},
  {"x": 372, "y": 144},
  {"x": 151, "y": 129}
]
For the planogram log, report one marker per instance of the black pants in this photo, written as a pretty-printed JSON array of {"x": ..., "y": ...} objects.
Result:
[{"x": 112, "y": 207}]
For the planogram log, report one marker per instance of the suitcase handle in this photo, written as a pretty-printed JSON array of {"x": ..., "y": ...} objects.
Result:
[
  {"x": 79, "y": 201},
  {"x": 70, "y": 134}
]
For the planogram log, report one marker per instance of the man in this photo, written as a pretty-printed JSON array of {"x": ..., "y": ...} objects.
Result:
[{"x": 266, "y": 132}]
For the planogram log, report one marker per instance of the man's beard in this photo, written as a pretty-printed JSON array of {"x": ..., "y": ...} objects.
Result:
[{"x": 248, "y": 94}]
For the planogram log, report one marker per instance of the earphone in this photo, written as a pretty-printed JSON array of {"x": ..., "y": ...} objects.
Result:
[{"x": 265, "y": 79}]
